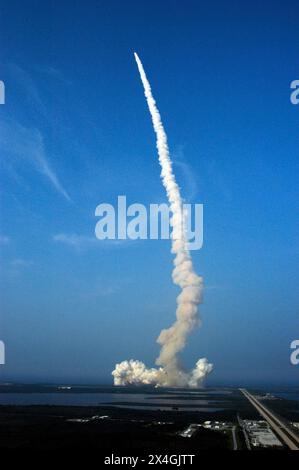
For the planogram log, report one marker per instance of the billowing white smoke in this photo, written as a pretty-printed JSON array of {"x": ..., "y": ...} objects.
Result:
[
  {"x": 173, "y": 339},
  {"x": 135, "y": 373}
]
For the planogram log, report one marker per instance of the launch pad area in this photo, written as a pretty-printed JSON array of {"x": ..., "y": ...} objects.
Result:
[{"x": 170, "y": 422}]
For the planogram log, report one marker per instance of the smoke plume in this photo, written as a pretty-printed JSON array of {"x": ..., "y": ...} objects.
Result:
[{"x": 172, "y": 340}]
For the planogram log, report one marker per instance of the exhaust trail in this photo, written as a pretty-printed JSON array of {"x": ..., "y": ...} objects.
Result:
[{"x": 173, "y": 339}]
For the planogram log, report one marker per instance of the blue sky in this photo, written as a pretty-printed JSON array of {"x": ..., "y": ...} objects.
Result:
[{"x": 76, "y": 132}]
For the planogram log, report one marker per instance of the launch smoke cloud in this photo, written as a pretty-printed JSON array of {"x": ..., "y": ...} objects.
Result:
[{"x": 172, "y": 340}]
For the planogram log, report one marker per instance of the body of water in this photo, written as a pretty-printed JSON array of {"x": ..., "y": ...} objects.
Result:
[
  {"x": 128, "y": 400},
  {"x": 289, "y": 395}
]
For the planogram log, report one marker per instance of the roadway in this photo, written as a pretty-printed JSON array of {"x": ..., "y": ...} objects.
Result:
[
  {"x": 286, "y": 434},
  {"x": 235, "y": 442}
]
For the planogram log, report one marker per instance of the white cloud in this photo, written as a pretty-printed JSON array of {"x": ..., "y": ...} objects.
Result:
[
  {"x": 27, "y": 144},
  {"x": 77, "y": 241}
]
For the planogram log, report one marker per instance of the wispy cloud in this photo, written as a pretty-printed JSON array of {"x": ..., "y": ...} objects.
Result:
[
  {"x": 4, "y": 240},
  {"x": 106, "y": 287},
  {"x": 74, "y": 240},
  {"x": 18, "y": 265},
  {"x": 28, "y": 88},
  {"x": 86, "y": 241},
  {"x": 52, "y": 72},
  {"x": 21, "y": 263},
  {"x": 187, "y": 172},
  {"x": 103, "y": 290},
  {"x": 213, "y": 287},
  {"x": 27, "y": 144}
]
